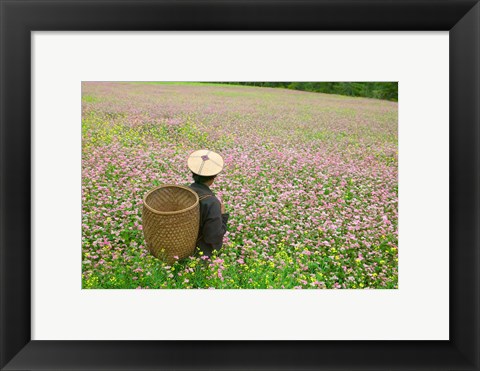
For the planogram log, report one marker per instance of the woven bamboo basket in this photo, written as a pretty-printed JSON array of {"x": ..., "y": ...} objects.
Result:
[{"x": 171, "y": 217}]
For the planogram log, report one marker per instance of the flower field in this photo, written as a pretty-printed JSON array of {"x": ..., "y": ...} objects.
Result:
[{"x": 310, "y": 182}]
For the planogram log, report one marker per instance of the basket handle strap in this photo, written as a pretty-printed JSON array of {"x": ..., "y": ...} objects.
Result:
[{"x": 203, "y": 197}]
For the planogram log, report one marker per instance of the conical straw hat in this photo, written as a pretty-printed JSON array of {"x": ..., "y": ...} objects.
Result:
[{"x": 205, "y": 162}]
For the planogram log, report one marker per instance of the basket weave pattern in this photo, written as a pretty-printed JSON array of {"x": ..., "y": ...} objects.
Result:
[{"x": 170, "y": 220}]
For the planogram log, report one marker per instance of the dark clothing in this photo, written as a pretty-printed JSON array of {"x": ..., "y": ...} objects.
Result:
[{"x": 213, "y": 224}]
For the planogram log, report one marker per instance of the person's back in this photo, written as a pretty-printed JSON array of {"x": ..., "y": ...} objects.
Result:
[{"x": 205, "y": 166}]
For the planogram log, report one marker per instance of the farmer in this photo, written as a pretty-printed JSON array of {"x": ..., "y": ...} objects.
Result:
[{"x": 205, "y": 165}]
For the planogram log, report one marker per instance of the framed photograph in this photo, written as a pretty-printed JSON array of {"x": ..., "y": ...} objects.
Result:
[
  {"x": 239, "y": 185},
  {"x": 151, "y": 211}
]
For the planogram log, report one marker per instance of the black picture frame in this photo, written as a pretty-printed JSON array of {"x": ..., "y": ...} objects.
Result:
[{"x": 18, "y": 18}]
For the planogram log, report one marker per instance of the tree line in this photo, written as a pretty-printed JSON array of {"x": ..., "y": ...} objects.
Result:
[{"x": 378, "y": 90}]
